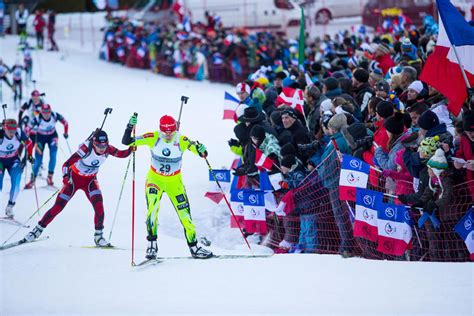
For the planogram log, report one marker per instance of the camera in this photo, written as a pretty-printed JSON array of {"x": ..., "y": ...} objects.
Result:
[{"x": 184, "y": 99}]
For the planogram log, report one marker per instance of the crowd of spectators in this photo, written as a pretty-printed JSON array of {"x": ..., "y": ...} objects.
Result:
[{"x": 362, "y": 97}]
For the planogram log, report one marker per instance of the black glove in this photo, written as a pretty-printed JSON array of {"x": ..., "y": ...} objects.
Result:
[
  {"x": 234, "y": 142},
  {"x": 403, "y": 198},
  {"x": 66, "y": 136}
]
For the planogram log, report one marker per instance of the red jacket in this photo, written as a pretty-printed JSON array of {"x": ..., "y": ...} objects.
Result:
[
  {"x": 381, "y": 136},
  {"x": 39, "y": 23}
]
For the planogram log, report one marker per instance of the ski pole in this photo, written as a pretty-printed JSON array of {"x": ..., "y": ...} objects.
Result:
[
  {"x": 227, "y": 202},
  {"x": 68, "y": 147},
  {"x": 4, "y": 106},
  {"x": 133, "y": 197},
  {"x": 184, "y": 100},
  {"x": 120, "y": 198},
  {"x": 31, "y": 216},
  {"x": 106, "y": 113},
  {"x": 34, "y": 84}
]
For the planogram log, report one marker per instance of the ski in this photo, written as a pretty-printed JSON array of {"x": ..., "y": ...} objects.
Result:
[
  {"x": 108, "y": 247},
  {"x": 21, "y": 242},
  {"x": 11, "y": 220},
  {"x": 147, "y": 262},
  {"x": 218, "y": 257}
]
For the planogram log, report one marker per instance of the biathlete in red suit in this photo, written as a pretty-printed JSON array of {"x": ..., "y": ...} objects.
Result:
[{"x": 79, "y": 173}]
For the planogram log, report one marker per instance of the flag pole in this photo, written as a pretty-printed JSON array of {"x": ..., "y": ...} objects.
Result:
[{"x": 461, "y": 66}]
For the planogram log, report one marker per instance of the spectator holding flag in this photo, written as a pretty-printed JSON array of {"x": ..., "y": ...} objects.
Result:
[
  {"x": 326, "y": 171},
  {"x": 293, "y": 173}
]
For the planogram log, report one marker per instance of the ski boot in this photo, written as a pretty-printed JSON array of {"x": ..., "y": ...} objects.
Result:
[
  {"x": 9, "y": 209},
  {"x": 198, "y": 252},
  {"x": 152, "y": 249},
  {"x": 99, "y": 239},
  {"x": 49, "y": 180},
  {"x": 30, "y": 184},
  {"x": 35, "y": 233}
]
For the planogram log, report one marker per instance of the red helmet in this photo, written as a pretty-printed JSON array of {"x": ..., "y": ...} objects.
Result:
[
  {"x": 45, "y": 109},
  {"x": 35, "y": 93},
  {"x": 167, "y": 124}
]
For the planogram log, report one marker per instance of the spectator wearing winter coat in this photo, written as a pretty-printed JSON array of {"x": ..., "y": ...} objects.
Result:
[
  {"x": 426, "y": 150},
  {"x": 362, "y": 91},
  {"x": 314, "y": 98},
  {"x": 434, "y": 199},
  {"x": 394, "y": 128},
  {"x": 39, "y": 23},
  {"x": 51, "y": 29},
  {"x": 402, "y": 178},
  {"x": 415, "y": 111},
  {"x": 293, "y": 174},
  {"x": 299, "y": 133},
  {"x": 413, "y": 93},
  {"x": 278, "y": 82},
  {"x": 383, "y": 111},
  {"x": 327, "y": 171},
  {"x": 430, "y": 126},
  {"x": 21, "y": 16},
  {"x": 466, "y": 151}
]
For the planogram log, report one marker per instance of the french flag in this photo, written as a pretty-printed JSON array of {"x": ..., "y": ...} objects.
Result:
[
  {"x": 367, "y": 203},
  {"x": 465, "y": 229},
  {"x": 230, "y": 105},
  {"x": 287, "y": 203},
  {"x": 291, "y": 97},
  {"x": 254, "y": 212},
  {"x": 262, "y": 161},
  {"x": 237, "y": 204},
  {"x": 354, "y": 174},
  {"x": 394, "y": 229},
  {"x": 214, "y": 193},
  {"x": 442, "y": 69}
]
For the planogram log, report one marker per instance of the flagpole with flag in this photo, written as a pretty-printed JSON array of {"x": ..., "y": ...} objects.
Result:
[
  {"x": 301, "y": 42},
  {"x": 454, "y": 51}
]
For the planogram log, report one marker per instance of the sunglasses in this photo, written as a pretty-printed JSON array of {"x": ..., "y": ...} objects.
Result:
[{"x": 101, "y": 145}]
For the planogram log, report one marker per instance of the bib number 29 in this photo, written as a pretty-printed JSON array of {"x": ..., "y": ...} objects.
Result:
[{"x": 165, "y": 168}]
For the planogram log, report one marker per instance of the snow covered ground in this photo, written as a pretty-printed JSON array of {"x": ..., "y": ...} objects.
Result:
[{"x": 60, "y": 277}]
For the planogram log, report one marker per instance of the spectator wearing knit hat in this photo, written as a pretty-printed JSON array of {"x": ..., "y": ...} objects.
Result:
[
  {"x": 278, "y": 82},
  {"x": 384, "y": 110},
  {"x": 430, "y": 126},
  {"x": 395, "y": 129},
  {"x": 326, "y": 172},
  {"x": 413, "y": 93},
  {"x": 313, "y": 98},
  {"x": 362, "y": 91},
  {"x": 382, "y": 89}
]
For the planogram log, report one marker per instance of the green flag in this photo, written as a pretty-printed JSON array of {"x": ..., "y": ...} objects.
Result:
[{"x": 301, "y": 40}]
